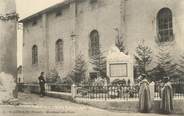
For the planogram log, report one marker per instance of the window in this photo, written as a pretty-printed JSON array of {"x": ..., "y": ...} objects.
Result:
[
  {"x": 34, "y": 54},
  {"x": 94, "y": 43},
  {"x": 59, "y": 50},
  {"x": 165, "y": 26}
]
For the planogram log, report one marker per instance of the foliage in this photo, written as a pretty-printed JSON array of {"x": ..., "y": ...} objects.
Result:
[
  {"x": 119, "y": 82},
  {"x": 137, "y": 72},
  {"x": 62, "y": 85},
  {"x": 87, "y": 82},
  {"x": 165, "y": 65},
  {"x": 78, "y": 73},
  {"x": 132, "y": 91},
  {"x": 143, "y": 57},
  {"x": 180, "y": 68},
  {"x": 157, "y": 73},
  {"x": 99, "y": 64},
  {"x": 52, "y": 76},
  {"x": 66, "y": 81},
  {"x": 100, "y": 82},
  {"x": 166, "y": 62}
]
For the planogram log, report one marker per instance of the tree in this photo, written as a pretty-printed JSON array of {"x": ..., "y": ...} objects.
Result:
[
  {"x": 180, "y": 68},
  {"x": 165, "y": 63},
  {"x": 157, "y": 73},
  {"x": 143, "y": 57},
  {"x": 99, "y": 64},
  {"x": 52, "y": 76},
  {"x": 78, "y": 73}
]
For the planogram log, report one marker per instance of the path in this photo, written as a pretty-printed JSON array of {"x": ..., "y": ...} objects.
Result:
[{"x": 33, "y": 105}]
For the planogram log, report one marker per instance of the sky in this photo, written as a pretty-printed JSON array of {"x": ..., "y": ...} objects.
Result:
[{"x": 26, "y": 8}]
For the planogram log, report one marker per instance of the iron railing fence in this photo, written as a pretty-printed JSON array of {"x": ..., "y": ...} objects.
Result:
[
  {"x": 34, "y": 87},
  {"x": 58, "y": 87},
  {"x": 178, "y": 89},
  {"x": 107, "y": 92}
]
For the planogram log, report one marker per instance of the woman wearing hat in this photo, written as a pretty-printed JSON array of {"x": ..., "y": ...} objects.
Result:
[
  {"x": 144, "y": 96},
  {"x": 166, "y": 105}
]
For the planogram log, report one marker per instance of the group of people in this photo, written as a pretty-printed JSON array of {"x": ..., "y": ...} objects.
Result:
[{"x": 145, "y": 104}]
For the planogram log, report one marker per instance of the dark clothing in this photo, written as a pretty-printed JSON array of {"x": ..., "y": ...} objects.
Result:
[
  {"x": 167, "y": 98},
  {"x": 144, "y": 97},
  {"x": 42, "y": 85}
]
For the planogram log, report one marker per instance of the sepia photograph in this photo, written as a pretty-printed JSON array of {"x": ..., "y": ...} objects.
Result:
[{"x": 92, "y": 57}]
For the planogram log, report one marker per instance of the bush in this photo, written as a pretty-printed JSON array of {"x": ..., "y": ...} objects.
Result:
[
  {"x": 119, "y": 82},
  {"x": 52, "y": 76},
  {"x": 78, "y": 73},
  {"x": 100, "y": 82},
  {"x": 62, "y": 85},
  {"x": 67, "y": 81},
  {"x": 143, "y": 57}
]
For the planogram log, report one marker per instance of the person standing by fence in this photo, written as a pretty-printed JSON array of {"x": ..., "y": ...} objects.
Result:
[
  {"x": 167, "y": 97},
  {"x": 144, "y": 96},
  {"x": 42, "y": 84}
]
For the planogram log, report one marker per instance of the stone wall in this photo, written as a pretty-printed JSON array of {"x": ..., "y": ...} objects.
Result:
[
  {"x": 8, "y": 38},
  {"x": 33, "y": 35},
  {"x": 61, "y": 27}
]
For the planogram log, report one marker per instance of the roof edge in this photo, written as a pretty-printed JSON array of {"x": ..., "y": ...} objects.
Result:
[{"x": 61, "y": 4}]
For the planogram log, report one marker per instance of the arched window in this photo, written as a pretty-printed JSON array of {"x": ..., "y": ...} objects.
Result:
[
  {"x": 59, "y": 50},
  {"x": 165, "y": 26},
  {"x": 35, "y": 54},
  {"x": 94, "y": 43}
]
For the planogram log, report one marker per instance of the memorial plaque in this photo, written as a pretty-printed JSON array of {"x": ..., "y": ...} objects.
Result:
[{"x": 118, "y": 70}]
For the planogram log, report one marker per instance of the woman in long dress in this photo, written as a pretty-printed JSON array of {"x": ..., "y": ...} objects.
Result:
[
  {"x": 167, "y": 97},
  {"x": 144, "y": 96}
]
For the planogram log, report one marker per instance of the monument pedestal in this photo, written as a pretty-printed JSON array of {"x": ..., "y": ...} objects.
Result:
[{"x": 119, "y": 66}]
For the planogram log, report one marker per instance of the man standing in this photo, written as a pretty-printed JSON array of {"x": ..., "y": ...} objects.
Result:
[
  {"x": 167, "y": 97},
  {"x": 42, "y": 84}
]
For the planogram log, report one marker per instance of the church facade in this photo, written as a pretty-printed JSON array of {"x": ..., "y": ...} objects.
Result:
[{"x": 52, "y": 38}]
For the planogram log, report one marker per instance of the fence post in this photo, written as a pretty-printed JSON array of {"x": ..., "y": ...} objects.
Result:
[
  {"x": 152, "y": 90},
  {"x": 74, "y": 91}
]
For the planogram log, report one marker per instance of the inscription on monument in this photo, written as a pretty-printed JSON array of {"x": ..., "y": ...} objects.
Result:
[{"x": 118, "y": 70}]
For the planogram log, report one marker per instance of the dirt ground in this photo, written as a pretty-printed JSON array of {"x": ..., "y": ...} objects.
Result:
[{"x": 34, "y": 105}]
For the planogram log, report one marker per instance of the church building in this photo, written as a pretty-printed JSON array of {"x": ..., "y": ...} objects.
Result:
[{"x": 53, "y": 37}]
